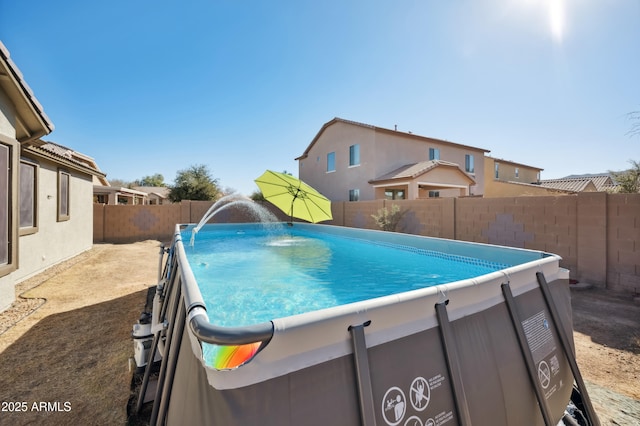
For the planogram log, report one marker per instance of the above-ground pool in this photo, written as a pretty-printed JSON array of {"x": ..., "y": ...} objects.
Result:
[{"x": 323, "y": 325}]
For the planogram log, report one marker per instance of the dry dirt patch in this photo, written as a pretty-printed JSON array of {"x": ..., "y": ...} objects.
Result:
[
  {"x": 72, "y": 353},
  {"x": 607, "y": 339},
  {"x": 75, "y": 347}
]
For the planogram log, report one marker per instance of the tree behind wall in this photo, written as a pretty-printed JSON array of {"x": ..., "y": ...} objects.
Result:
[
  {"x": 628, "y": 181},
  {"x": 152, "y": 180},
  {"x": 194, "y": 183}
]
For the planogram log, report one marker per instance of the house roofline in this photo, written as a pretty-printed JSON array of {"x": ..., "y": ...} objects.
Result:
[
  {"x": 501, "y": 160},
  {"x": 48, "y": 155},
  {"x": 428, "y": 166},
  {"x": 19, "y": 92},
  {"x": 101, "y": 189},
  {"x": 382, "y": 130}
]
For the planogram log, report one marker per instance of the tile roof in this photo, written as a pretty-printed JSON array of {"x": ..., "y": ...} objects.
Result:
[
  {"x": 66, "y": 156},
  {"x": 502, "y": 160},
  {"x": 412, "y": 171},
  {"x": 160, "y": 191},
  {"x": 580, "y": 183}
]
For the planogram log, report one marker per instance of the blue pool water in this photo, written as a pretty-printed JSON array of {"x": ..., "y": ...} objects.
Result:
[{"x": 249, "y": 275}]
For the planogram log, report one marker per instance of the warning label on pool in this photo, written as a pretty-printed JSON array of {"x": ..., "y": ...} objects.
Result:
[
  {"x": 539, "y": 336},
  {"x": 409, "y": 406}
]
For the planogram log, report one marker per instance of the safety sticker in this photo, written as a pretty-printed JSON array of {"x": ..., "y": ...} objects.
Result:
[
  {"x": 394, "y": 406},
  {"x": 539, "y": 336},
  {"x": 420, "y": 394}
]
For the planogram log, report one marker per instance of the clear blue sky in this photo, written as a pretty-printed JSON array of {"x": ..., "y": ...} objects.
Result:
[{"x": 150, "y": 87}]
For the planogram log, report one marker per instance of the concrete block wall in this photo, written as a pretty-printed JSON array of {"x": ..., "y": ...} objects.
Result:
[
  {"x": 623, "y": 238},
  {"x": 358, "y": 215},
  {"x": 426, "y": 217},
  {"x": 596, "y": 234},
  {"x": 129, "y": 223},
  {"x": 125, "y": 224},
  {"x": 591, "y": 212}
]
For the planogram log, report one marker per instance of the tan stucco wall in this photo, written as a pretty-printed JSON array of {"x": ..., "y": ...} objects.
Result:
[
  {"x": 380, "y": 153},
  {"x": 336, "y": 185},
  {"x": 507, "y": 173},
  {"x": 392, "y": 152},
  {"x": 7, "y": 120},
  {"x": 7, "y": 117},
  {"x": 57, "y": 241}
]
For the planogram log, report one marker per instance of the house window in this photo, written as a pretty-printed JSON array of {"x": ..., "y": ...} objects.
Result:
[
  {"x": 101, "y": 198},
  {"x": 517, "y": 172},
  {"x": 354, "y": 195},
  {"x": 354, "y": 155},
  {"x": 434, "y": 194},
  {"x": 64, "y": 181},
  {"x": 434, "y": 154},
  {"x": 497, "y": 170},
  {"x": 8, "y": 206},
  {"x": 331, "y": 162},
  {"x": 468, "y": 164},
  {"x": 394, "y": 194},
  {"x": 28, "y": 197},
  {"x": 5, "y": 204}
]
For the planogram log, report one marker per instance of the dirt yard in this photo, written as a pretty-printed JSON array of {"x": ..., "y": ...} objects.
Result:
[{"x": 67, "y": 361}]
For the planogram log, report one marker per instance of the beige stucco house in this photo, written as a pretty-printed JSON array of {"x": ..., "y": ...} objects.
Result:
[
  {"x": 46, "y": 215},
  {"x": 115, "y": 195},
  {"x": 350, "y": 161},
  {"x": 156, "y": 195},
  {"x": 510, "y": 179},
  {"x": 505, "y": 178}
]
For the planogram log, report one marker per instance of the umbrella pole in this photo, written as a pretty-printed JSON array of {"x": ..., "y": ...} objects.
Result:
[
  {"x": 291, "y": 214},
  {"x": 293, "y": 201}
]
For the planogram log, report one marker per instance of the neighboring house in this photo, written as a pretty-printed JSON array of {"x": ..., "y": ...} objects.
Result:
[
  {"x": 155, "y": 194},
  {"x": 350, "y": 161},
  {"x": 504, "y": 178},
  {"x": 46, "y": 215},
  {"x": 117, "y": 195},
  {"x": 582, "y": 183},
  {"x": 104, "y": 193},
  {"x": 509, "y": 171}
]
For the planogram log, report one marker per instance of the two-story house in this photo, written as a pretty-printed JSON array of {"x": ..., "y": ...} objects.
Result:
[{"x": 350, "y": 161}]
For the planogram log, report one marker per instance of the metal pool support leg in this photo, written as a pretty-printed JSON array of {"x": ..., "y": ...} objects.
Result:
[
  {"x": 147, "y": 371},
  {"x": 453, "y": 365},
  {"x": 175, "y": 309},
  {"x": 363, "y": 376},
  {"x": 163, "y": 250},
  {"x": 154, "y": 345},
  {"x": 173, "y": 360},
  {"x": 566, "y": 347},
  {"x": 526, "y": 354}
]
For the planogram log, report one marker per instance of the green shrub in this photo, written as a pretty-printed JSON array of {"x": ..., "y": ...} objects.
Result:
[{"x": 388, "y": 220}]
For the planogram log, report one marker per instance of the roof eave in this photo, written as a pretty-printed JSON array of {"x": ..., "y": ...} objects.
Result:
[
  {"x": 60, "y": 160},
  {"x": 382, "y": 130},
  {"x": 31, "y": 121}
]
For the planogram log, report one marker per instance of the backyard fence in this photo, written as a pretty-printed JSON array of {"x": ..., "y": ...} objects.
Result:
[{"x": 597, "y": 234}]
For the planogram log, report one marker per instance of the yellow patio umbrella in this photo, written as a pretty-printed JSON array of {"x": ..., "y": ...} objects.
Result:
[{"x": 294, "y": 197}]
